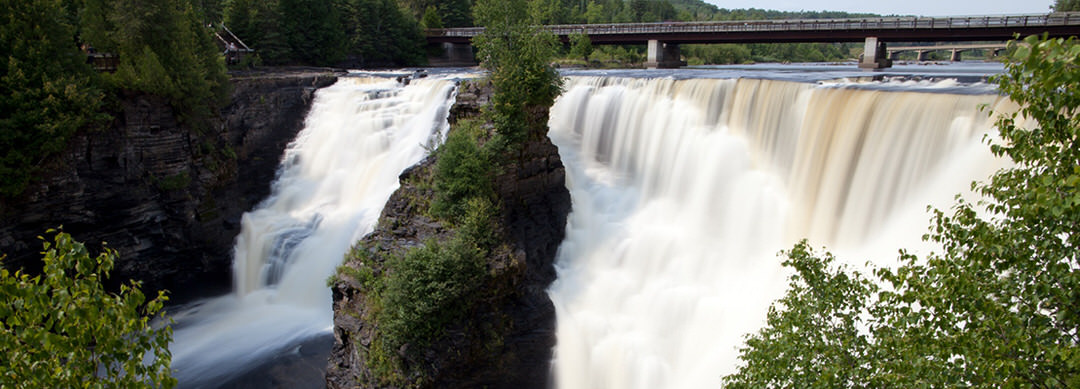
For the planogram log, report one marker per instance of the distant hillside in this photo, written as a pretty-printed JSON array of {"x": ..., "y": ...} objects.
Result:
[{"x": 700, "y": 10}]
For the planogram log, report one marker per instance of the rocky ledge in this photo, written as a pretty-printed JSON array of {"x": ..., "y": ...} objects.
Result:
[
  {"x": 506, "y": 340},
  {"x": 167, "y": 198}
]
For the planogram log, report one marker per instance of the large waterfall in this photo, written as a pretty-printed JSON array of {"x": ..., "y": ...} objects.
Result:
[
  {"x": 685, "y": 190},
  {"x": 334, "y": 179}
]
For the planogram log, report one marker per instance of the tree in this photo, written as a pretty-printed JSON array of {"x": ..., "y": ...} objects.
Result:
[
  {"x": 1066, "y": 5},
  {"x": 313, "y": 30},
  {"x": 580, "y": 46},
  {"x": 47, "y": 92},
  {"x": 431, "y": 18},
  {"x": 519, "y": 57},
  {"x": 1000, "y": 305},
  {"x": 165, "y": 49},
  {"x": 453, "y": 13},
  {"x": 61, "y": 329},
  {"x": 381, "y": 34}
]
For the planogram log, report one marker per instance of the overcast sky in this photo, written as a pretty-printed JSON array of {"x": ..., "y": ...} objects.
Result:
[{"x": 901, "y": 7}]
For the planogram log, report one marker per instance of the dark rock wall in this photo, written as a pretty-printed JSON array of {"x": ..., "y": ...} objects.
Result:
[
  {"x": 168, "y": 199},
  {"x": 534, "y": 207}
]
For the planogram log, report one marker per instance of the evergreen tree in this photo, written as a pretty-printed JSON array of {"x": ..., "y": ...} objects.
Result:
[
  {"x": 313, "y": 30},
  {"x": 46, "y": 92},
  {"x": 431, "y": 18},
  {"x": 1066, "y": 5},
  {"x": 165, "y": 49},
  {"x": 381, "y": 34}
]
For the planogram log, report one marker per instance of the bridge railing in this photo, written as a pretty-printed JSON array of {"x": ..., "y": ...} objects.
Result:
[{"x": 1001, "y": 21}]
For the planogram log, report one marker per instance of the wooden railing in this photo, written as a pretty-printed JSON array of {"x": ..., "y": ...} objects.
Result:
[{"x": 796, "y": 25}]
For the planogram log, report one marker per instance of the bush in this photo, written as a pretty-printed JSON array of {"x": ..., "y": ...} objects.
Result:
[
  {"x": 463, "y": 171},
  {"x": 61, "y": 329}
]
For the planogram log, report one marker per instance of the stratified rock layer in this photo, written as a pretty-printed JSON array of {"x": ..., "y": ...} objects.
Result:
[
  {"x": 507, "y": 339},
  {"x": 167, "y": 198}
]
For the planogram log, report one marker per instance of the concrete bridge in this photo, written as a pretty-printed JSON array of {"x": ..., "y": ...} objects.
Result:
[
  {"x": 663, "y": 38},
  {"x": 922, "y": 52}
]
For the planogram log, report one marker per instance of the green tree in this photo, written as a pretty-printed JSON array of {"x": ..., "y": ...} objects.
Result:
[
  {"x": 61, "y": 329},
  {"x": 813, "y": 330},
  {"x": 1066, "y": 5},
  {"x": 431, "y": 18},
  {"x": 999, "y": 307},
  {"x": 453, "y": 13},
  {"x": 580, "y": 46},
  {"x": 313, "y": 30},
  {"x": 519, "y": 57},
  {"x": 47, "y": 92},
  {"x": 165, "y": 49},
  {"x": 381, "y": 34}
]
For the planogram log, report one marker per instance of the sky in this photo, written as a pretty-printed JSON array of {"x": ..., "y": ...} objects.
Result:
[{"x": 899, "y": 7}]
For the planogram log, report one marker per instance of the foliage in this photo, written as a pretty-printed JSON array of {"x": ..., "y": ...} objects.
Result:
[
  {"x": 814, "y": 330},
  {"x": 429, "y": 289},
  {"x": 999, "y": 306},
  {"x": 381, "y": 34},
  {"x": 716, "y": 54},
  {"x": 165, "y": 49},
  {"x": 424, "y": 291},
  {"x": 61, "y": 329},
  {"x": 463, "y": 171},
  {"x": 431, "y": 18},
  {"x": 452, "y": 13},
  {"x": 313, "y": 30},
  {"x": 519, "y": 57},
  {"x": 580, "y": 46},
  {"x": 1066, "y": 5},
  {"x": 47, "y": 91},
  {"x": 347, "y": 32}
]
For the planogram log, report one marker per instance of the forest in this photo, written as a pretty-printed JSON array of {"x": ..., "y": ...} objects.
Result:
[{"x": 167, "y": 48}]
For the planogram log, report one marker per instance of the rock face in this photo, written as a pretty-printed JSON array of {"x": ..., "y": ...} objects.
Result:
[
  {"x": 167, "y": 198},
  {"x": 507, "y": 339}
]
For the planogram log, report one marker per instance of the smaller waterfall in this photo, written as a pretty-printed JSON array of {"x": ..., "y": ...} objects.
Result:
[{"x": 333, "y": 182}]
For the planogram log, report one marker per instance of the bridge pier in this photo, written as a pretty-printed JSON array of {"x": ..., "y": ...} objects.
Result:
[
  {"x": 663, "y": 55},
  {"x": 875, "y": 55},
  {"x": 452, "y": 54},
  {"x": 955, "y": 57},
  {"x": 922, "y": 55}
]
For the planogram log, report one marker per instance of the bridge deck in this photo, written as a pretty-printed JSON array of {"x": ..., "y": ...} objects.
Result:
[{"x": 966, "y": 28}]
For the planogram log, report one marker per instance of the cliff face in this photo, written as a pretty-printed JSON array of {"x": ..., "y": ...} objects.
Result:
[
  {"x": 169, "y": 200},
  {"x": 507, "y": 339}
]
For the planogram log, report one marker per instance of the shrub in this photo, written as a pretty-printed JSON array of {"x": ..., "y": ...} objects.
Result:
[
  {"x": 463, "y": 171},
  {"x": 61, "y": 329}
]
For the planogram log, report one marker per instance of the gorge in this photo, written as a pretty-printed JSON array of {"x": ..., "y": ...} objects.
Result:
[{"x": 684, "y": 186}]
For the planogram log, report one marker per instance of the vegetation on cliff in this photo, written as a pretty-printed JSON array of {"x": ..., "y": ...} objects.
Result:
[
  {"x": 61, "y": 329},
  {"x": 456, "y": 281},
  {"x": 997, "y": 308},
  {"x": 48, "y": 90}
]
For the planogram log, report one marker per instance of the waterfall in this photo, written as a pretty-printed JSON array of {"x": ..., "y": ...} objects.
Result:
[
  {"x": 685, "y": 190},
  {"x": 333, "y": 182}
]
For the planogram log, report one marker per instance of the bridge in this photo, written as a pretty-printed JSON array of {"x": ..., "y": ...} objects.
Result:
[
  {"x": 663, "y": 38},
  {"x": 922, "y": 52}
]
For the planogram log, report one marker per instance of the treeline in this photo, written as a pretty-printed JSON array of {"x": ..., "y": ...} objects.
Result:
[
  {"x": 48, "y": 89},
  {"x": 347, "y": 33}
]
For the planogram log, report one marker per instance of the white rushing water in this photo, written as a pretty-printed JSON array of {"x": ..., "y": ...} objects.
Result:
[
  {"x": 685, "y": 190},
  {"x": 334, "y": 180}
]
